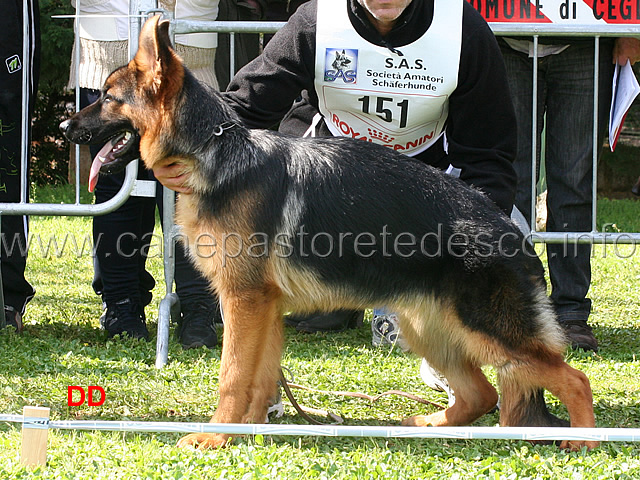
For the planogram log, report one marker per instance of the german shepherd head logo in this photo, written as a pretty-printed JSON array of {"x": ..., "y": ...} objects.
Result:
[{"x": 341, "y": 61}]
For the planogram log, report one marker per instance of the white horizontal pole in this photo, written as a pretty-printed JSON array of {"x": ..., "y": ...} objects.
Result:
[{"x": 495, "y": 433}]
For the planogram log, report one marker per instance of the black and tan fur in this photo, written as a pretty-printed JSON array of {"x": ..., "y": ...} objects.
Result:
[{"x": 461, "y": 307}]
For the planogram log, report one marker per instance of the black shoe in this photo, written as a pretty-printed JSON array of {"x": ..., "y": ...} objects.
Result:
[
  {"x": 13, "y": 318},
  {"x": 125, "y": 318},
  {"x": 197, "y": 328},
  {"x": 327, "y": 322},
  {"x": 580, "y": 335}
]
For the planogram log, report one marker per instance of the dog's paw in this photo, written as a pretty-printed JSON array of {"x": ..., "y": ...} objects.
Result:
[
  {"x": 413, "y": 421},
  {"x": 576, "y": 445},
  {"x": 204, "y": 441},
  {"x": 418, "y": 421},
  {"x": 433, "y": 420}
]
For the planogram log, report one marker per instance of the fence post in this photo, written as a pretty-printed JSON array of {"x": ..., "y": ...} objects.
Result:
[{"x": 35, "y": 431}]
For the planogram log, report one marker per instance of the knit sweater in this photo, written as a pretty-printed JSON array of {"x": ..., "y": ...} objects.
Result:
[{"x": 99, "y": 57}]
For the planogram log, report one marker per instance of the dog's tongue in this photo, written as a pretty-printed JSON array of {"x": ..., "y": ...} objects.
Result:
[{"x": 98, "y": 161}]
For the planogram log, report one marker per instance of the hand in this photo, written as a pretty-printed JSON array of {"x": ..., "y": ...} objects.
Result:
[
  {"x": 626, "y": 48},
  {"x": 174, "y": 176}
]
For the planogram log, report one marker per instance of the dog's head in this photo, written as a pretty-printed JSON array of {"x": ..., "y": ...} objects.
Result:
[
  {"x": 129, "y": 117},
  {"x": 341, "y": 61}
]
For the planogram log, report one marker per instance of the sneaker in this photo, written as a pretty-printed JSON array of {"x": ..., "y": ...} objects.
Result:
[
  {"x": 385, "y": 331},
  {"x": 196, "y": 327},
  {"x": 13, "y": 318},
  {"x": 125, "y": 318},
  {"x": 580, "y": 335},
  {"x": 436, "y": 381}
]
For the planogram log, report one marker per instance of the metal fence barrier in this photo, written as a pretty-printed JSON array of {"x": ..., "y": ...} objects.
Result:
[
  {"x": 139, "y": 10},
  {"x": 595, "y": 31}
]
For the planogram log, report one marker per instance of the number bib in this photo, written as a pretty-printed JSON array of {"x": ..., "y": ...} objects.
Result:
[{"x": 370, "y": 93}]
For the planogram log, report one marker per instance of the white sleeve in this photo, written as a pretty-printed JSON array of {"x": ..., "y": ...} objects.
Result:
[{"x": 205, "y": 10}]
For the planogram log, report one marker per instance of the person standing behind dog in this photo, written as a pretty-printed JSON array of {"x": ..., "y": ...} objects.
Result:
[
  {"x": 427, "y": 66},
  {"x": 565, "y": 105},
  {"x": 246, "y": 45},
  {"x": 122, "y": 237},
  {"x": 16, "y": 289}
]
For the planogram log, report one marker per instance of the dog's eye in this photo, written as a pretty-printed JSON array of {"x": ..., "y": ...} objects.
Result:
[{"x": 108, "y": 98}]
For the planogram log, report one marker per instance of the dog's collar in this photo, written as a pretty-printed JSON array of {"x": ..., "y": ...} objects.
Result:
[{"x": 219, "y": 130}]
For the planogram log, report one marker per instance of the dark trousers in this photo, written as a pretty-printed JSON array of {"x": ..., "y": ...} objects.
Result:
[
  {"x": 565, "y": 103},
  {"x": 124, "y": 239},
  {"x": 17, "y": 290},
  {"x": 247, "y": 45}
]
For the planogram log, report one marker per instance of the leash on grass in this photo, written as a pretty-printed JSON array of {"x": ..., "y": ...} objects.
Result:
[{"x": 304, "y": 411}]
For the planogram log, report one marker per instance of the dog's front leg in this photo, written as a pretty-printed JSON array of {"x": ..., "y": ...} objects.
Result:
[
  {"x": 264, "y": 389},
  {"x": 251, "y": 350}
]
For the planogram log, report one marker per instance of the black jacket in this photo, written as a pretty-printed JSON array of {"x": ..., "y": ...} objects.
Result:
[{"x": 481, "y": 127}]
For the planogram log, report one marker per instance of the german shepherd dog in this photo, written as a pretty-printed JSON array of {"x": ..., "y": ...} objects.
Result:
[{"x": 281, "y": 224}]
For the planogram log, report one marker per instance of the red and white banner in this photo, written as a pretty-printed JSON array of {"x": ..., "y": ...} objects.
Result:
[{"x": 573, "y": 12}]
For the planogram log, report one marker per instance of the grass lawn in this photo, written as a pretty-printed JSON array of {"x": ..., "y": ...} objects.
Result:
[{"x": 63, "y": 345}]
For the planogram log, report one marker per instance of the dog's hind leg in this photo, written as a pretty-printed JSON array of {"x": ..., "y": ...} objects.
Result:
[
  {"x": 433, "y": 331},
  {"x": 475, "y": 396},
  {"x": 522, "y": 383},
  {"x": 248, "y": 369}
]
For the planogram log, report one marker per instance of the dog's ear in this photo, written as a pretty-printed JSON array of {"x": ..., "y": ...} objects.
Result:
[{"x": 155, "y": 61}]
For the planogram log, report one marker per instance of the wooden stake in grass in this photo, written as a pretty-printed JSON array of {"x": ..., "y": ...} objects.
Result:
[{"x": 34, "y": 436}]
